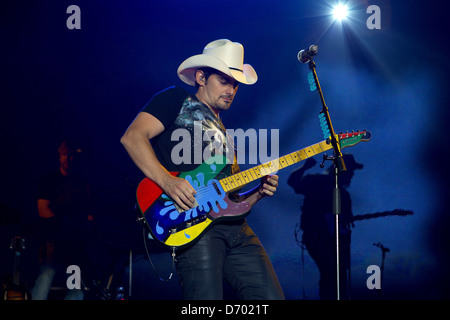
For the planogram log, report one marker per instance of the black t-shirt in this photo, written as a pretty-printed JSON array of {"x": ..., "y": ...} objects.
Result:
[{"x": 192, "y": 132}]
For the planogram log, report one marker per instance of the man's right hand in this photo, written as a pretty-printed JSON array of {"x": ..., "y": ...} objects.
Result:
[{"x": 179, "y": 190}]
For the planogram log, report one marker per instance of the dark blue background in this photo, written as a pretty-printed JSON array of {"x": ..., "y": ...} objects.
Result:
[{"x": 90, "y": 83}]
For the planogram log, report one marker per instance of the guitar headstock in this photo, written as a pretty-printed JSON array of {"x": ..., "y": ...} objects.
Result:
[
  {"x": 17, "y": 244},
  {"x": 349, "y": 139}
]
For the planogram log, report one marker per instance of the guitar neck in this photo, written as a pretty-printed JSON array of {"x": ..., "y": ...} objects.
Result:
[
  {"x": 16, "y": 274},
  {"x": 242, "y": 178},
  {"x": 17, "y": 245}
]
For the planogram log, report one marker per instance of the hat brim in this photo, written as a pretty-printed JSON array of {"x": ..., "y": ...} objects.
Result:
[{"x": 186, "y": 71}]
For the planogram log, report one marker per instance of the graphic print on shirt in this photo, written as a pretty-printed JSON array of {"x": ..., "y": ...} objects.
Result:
[{"x": 201, "y": 135}]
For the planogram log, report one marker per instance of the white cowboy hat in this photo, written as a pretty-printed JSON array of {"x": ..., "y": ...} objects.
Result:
[{"x": 222, "y": 55}]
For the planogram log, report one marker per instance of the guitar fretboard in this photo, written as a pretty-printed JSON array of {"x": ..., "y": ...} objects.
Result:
[{"x": 240, "y": 179}]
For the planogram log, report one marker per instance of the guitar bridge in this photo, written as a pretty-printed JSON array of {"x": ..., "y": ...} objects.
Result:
[{"x": 187, "y": 224}]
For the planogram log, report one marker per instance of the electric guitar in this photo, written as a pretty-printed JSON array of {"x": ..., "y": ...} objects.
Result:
[
  {"x": 15, "y": 289},
  {"x": 174, "y": 227}
]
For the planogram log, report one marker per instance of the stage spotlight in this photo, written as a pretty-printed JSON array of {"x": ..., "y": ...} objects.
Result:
[{"x": 340, "y": 12}]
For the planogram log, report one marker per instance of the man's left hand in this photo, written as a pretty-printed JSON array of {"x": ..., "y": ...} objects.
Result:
[{"x": 269, "y": 185}]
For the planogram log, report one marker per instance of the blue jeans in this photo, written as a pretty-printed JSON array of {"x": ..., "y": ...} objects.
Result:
[{"x": 228, "y": 252}]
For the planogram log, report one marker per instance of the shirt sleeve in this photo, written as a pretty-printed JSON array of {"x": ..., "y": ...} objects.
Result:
[{"x": 165, "y": 105}]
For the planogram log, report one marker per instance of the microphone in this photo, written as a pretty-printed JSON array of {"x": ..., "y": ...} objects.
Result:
[
  {"x": 306, "y": 54},
  {"x": 379, "y": 245}
]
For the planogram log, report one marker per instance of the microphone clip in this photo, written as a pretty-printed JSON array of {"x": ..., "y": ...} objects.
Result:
[{"x": 305, "y": 55}]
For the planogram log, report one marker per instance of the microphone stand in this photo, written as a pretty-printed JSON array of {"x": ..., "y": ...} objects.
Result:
[
  {"x": 339, "y": 166},
  {"x": 383, "y": 256}
]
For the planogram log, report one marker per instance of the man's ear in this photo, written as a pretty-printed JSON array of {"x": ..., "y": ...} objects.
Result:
[{"x": 200, "y": 77}]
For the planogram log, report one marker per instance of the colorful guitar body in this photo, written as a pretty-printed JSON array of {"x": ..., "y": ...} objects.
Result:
[{"x": 175, "y": 228}]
